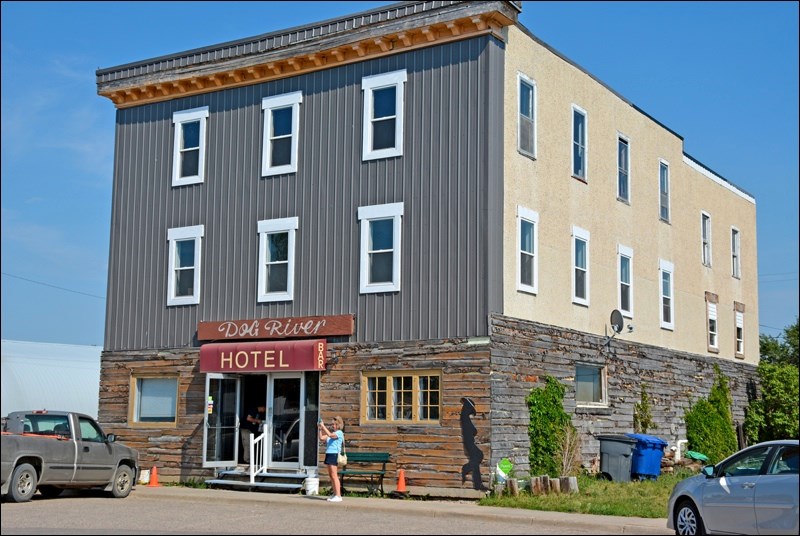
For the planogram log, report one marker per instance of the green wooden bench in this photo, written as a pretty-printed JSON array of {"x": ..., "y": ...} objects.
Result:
[{"x": 374, "y": 476}]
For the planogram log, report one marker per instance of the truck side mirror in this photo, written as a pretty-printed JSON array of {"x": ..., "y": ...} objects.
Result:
[{"x": 110, "y": 438}]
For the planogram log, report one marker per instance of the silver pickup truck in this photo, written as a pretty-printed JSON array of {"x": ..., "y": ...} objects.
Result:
[{"x": 56, "y": 450}]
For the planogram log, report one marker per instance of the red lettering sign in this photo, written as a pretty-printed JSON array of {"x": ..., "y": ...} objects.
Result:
[
  {"x": 277, "y": 328},
  {"x": 263, "y": 356}
]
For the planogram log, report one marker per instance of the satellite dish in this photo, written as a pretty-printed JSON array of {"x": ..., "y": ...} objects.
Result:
[{"x": 616, "y": 321}]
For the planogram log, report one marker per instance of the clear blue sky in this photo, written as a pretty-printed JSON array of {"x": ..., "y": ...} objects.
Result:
[{"x": 723, "y": 75}]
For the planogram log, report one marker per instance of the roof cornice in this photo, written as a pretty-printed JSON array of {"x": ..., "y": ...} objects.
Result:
[{"x": 394, "y": 29}]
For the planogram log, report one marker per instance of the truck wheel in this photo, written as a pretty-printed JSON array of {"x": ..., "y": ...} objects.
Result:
[
  {"x": 23, "y": 483},
  {"x": 51, "y": 492},
  {"x": 123, "y": 482}
]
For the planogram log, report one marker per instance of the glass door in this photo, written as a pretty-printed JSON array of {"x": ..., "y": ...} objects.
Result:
[
  {"x": 221, "y": 423},
  {"x": 284, "y": 397}
]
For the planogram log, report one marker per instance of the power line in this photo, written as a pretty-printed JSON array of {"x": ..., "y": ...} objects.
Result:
[{"x": 54, "y": 286}]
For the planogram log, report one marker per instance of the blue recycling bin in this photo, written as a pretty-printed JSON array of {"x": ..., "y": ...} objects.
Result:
[{"x": 647, "y": 454}]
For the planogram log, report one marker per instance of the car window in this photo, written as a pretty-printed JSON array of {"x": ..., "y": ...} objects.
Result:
[
  {"x": 748, "y": 463},
  {"x": 786, "y": 462},
  {"x": 90, "y": 432}
]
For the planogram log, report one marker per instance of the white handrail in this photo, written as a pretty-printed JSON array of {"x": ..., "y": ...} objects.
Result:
[{"x": 258, "y": 460}]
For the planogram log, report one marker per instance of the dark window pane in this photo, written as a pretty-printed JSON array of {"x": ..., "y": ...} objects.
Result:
[
  {"x": 190, "y": 161},
  {"x": 381, "y": 234},
  {"x": 577, "y": 161},
  {"x": 380, "y": 268},
  {"x": 526, "y": 236},
  {"x": 184, "y": 284},
  {"x": 580, "y": 284},
  {"x": 526, "y": 269},
  {"x": 625, "y": 297},
  {"x": 384, "y": 102},
  {"x": 525, "y": 92},
  {"x": 278, "y": 247},
  {"x": 277, "y": 277},
  {"x": 281, "y": 152},
  {"x": 185, "y": 251},
  {"x": 383, "y": 134},
  {"x": 526, "y": 134},
  {"x": 281, "y": 122},
  {"x": 191, "y": 135}
]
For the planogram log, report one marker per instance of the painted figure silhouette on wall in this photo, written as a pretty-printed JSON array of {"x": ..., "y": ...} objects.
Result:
[{"x": 471, "y": 450}]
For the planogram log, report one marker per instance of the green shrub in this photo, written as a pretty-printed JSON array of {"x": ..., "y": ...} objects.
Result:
[
  {"x": 774, "y": 415},
  {"x": 709, "y": 424},
  {"x": 642, "y": 416},
  {"x": 546, "y": 427}
]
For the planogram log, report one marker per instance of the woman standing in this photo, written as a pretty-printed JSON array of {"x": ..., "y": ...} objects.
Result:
[{"x": 335, "y": 440}]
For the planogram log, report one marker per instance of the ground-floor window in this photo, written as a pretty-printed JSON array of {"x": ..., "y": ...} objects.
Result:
[
  {"x": 401, "y": 396},
  {"x": 155, "y": 399}
]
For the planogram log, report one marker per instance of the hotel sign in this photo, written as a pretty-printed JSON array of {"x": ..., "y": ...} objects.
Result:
[
  {"x": 277, "y": 328},
  {"x": 283, "y": 356}
]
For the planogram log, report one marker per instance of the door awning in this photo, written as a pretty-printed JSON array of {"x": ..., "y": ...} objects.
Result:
[{"x": 282, "y": 356}]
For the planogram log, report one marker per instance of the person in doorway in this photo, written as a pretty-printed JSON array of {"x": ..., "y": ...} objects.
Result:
[
  {"x": 334, "y": 441},
  {"x": 250, "y": 425}
]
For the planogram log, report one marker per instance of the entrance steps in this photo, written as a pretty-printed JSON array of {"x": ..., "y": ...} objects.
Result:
[{"x": 291, "y": 481}]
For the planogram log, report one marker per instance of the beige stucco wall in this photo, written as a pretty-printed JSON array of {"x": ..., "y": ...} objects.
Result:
[{"x": 545, "y": 185}]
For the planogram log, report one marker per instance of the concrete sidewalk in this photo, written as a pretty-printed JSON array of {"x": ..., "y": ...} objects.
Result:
[{"x": 421, "y": 508}]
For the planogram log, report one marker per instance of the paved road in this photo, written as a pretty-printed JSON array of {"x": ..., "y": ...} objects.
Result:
[{"x": 178, "y": 510}]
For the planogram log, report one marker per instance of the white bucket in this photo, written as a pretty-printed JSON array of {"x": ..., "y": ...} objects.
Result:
[
  {"x": 144, "y": 476},
  {"x": 311, "y": 486}
]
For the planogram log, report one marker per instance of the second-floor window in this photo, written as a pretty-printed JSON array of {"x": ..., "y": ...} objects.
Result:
[
  {"x": 623, "y": 167},
  {"x": 526, "y": 134},
  {"x": 735, "y": 266},
  {"x": 579, "y": 142},
  {"x": 189, "y": 146},
  {"x": 665, "y": 271},
  {"x": 383, "y": 115},
  {"x": 183, "y": 287},
  {"x": 625, "y": 255},
  {"x": 705, "y": 238},
  {"x": 276, "y": 259},
  {"x": 281, "y": 133},
  {"x": 381, "y": 227},
  {"x": 527, "y": 269},
  {"x": 663, "y": 190},
  {"x": 580, "y": 263}
]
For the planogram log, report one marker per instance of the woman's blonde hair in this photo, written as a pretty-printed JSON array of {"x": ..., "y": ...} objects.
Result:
[{"x": 339, "y": 422}]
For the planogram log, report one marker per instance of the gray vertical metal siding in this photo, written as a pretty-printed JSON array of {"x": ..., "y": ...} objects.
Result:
[{"x": 442, "y": 179}]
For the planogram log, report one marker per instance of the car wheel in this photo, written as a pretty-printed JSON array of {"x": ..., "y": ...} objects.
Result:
[
  {"x": 123, "y": 482},
  {"x": 51, "y": 492},
  {"x": 687, "y": 520},
  {"x": 23, "y": 483}
]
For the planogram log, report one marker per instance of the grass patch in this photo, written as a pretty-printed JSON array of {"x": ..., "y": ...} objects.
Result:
[{"x": 647, "y": 498}]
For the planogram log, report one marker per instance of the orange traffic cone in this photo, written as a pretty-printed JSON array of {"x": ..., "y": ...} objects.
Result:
[
  {"x": 401, "y": 481},
  {"x": 154, "y": 478}
]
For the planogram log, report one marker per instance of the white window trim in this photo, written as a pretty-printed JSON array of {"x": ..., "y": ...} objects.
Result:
[
  {"x": 196, "y": 233},
  {"x": 580, "y": 234},
  {"x": 736, "y": 254},
  {"x": 713, "y": 335},
  {"x": 663, "y": 162},
  {"x": 376, "y": 212},
  {"x": 368, "y": 85},
  {"x": 532, "y": 217},
  {"x": 585, "y": 114},
  {"x": 623, "y": 137},
  {"x": 265, "y": 228},
  {"x": 534, "y": 110},
  {"x": 178, "y": 118},
  {"x": 603, "y": 386},
  {"x": 703, "y": 239},
  {"x": 666, "y": 266},
  {"x": 267, "y": 105},
  {"x": 624, "y": 251}
]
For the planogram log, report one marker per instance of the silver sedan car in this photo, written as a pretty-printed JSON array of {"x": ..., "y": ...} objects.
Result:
[{"x": 754, "y": 491}]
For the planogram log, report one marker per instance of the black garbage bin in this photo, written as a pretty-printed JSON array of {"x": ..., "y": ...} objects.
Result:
[{"x": 615, "y": 457}]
